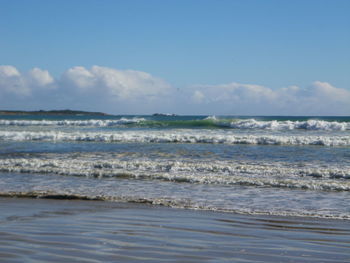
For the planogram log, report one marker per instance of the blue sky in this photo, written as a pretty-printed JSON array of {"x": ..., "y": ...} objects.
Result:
[{"x": 190, "y": 49}]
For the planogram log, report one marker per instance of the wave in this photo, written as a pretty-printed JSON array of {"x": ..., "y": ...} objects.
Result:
[
  {"x": 167, "y": 202},
  {"x": 209, "y": 122},
  {"x": 291, "y": 125},
  {"x": 176, "y": 136},
  {"x": 92, "y": 122},
  {"x": 214, "y": 172},
  {"x": 141, "y": 122}
]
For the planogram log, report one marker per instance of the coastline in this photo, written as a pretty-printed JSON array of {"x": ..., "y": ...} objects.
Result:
[
  {"x": 42, "y": 230},
  {"x": 52, "y": 112}
]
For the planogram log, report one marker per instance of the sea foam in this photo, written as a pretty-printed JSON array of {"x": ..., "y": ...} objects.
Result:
[
  {"x": 210, "y": 122},
  {"x": 210, "y": 172},
  {"x": 92, "y": 122},
  {"x": 176, "y": 136},
  {"x": 291, "y": 125}
]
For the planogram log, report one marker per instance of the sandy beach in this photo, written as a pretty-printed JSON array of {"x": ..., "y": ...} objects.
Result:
[{"x": 39, "y": 230}]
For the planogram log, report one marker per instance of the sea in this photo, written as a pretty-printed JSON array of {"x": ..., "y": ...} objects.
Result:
[{"x": 275, "y": 165}]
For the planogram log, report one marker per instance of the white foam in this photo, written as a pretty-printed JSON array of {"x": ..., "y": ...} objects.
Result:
[
  {"x": 213, "y": 117},
  {"x": 177, "y": 136},
  {"x": 205, "y": 172},
  {"x": 251, "y": 124},
  {"x": 291, "y": 125},
  {"x": 92, "y": 122},
  {"x": 177, "y": 202}
]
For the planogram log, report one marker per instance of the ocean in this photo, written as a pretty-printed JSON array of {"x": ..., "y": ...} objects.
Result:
[{"x": 283, "y": 166}]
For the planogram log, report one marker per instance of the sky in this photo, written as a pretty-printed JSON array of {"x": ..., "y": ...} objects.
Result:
[{"x": 218, "y": 57}]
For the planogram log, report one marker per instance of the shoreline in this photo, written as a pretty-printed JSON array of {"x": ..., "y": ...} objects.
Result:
[
  {"x": 156, "y": 204},
  {"x": 93, "y": 231}
]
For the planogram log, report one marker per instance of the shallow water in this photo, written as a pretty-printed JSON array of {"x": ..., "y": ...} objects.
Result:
[
  {"x": 290, "y": 166},
  {"x": 91, "y": 231}
]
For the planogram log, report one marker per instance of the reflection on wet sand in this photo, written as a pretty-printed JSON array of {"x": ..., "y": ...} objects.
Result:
[{"x": 38, "y": 230}]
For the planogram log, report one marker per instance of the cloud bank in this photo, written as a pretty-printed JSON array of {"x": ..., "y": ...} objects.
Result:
[
  {"x": 319, "y": 98},
  {"x": 11, "y": 81},
  {"x": 121, "y": 85},
  {"x": 97, "y": 88},
  {"x": 136, "y": 92}
]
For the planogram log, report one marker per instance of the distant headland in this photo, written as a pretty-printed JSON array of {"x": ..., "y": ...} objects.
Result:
[
  {"x": 165, "y": 114},
  {"x": 52, "y": 112}
]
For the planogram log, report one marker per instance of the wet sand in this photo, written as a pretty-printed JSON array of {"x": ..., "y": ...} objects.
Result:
[{"x": 37, "y": 230}]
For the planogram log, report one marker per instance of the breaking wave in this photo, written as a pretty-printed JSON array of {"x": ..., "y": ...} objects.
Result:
[
  {"x": 209, "y": 122},
  {"x": 92, "y": 122},
  {"x": 291, "y": 125},
  {"x": 218, "y": 172},
  {"x": 176, "y": 136}
]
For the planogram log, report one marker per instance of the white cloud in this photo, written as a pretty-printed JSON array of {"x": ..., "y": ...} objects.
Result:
[
  {"x": 97, "y": 88},
  {"x": 79, "y": 77},
  {"x": 233, "y": 92},
  {"x": 120, "y": 84},
  {"x": 39, "y": 78},
  {"x": 321, "y": 98},
  {"x": 325, "y": 90},
  {"x": 135, "y": 92},
  {"x": 13, "y": 82},
  {"x": 8, "y": 71},
  {"x": 198, "y": 96}
]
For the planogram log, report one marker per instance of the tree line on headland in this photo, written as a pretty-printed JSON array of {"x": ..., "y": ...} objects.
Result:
[{"x": 51, "y": 112}]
